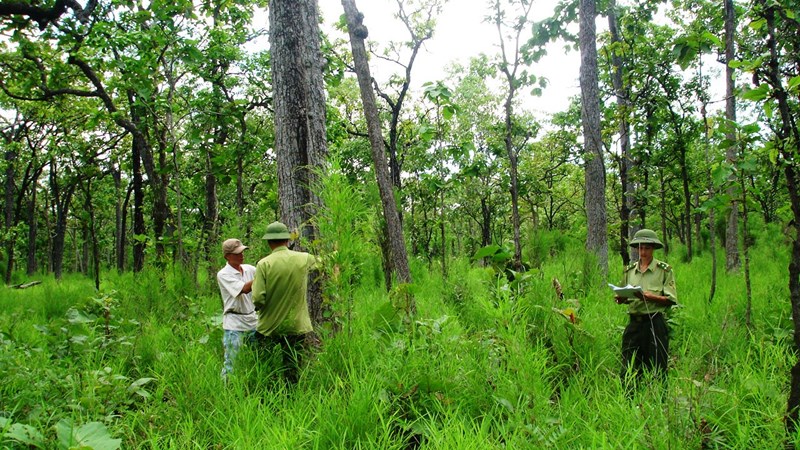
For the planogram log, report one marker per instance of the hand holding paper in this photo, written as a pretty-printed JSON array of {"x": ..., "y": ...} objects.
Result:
[{"x": 626, "y": 291}]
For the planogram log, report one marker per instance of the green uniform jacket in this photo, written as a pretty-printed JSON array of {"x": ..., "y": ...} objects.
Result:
[
  {"x": 279, "y": 292},
  {"x": 659, "y": 278}
]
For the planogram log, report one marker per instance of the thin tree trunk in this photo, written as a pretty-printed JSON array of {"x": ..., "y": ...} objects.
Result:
[
  {"x": 626, "y": 159},
  {"x": 123, "y": 238},
  {"x": 662, "y": 193},
  {"x": 95, "y": 248},
  {"x": 731, "y": 155},
  {"x": 33, "y": 228},
  {"x": 748, "y": 311},
  {"x": 687, "y": 200},
  {"x": 210, "y": 219},
  {"x": 596, "y": 238},
  {"x": 10, "y": 157},
  {"x": 789, "y": 144},
  {"x": 119, "y": 227},
  {"x": 139, "y": 232},
  {"x": 61, "y": 201},
  {"x": 712, "y": 235},
  {"x": 358, "y": 33}
]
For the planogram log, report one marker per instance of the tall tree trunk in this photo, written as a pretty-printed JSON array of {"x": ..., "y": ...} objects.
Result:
[
  {"x": 596, "y": 238},
  {"x": 788, "y": 138},
  {"x": 626, "y": 159},
  {"x": 211, "y": 217},
  {"x": 748, "y": 310},
  {"x": 687, "y": 200},
  {"x": 61, "y": 202},
  {"x": 358, "y": 33},
  {"x": 731, "y": 155},
  {"x": 299, "y": 98},
  {"x": 33, "y": 227},
  {"x": 486, "y": 223},
  {"x": 712, "y": 235},
  {"x": 662, "y": 195},
  {"x": 122, "y": 257},
  {"x": 95, "y": 248},
  {"x": 119, "y": 224},
  {"x": 10, "y": 157},
  {"x": 139, "y": 232}
]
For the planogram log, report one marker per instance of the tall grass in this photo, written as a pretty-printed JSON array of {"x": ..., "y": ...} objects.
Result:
[{"x": 483, "y": 366}]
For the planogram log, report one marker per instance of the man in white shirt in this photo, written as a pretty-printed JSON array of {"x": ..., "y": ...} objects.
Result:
[{"x": 239, "y": 317}]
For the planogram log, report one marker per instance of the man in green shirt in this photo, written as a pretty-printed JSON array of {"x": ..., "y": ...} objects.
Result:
[
  {"x": 645, "y": 341},
  {"x": 279, "y": 295}
]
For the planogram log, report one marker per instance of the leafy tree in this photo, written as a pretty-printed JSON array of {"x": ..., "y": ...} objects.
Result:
[{"x": 399, "y": 259}]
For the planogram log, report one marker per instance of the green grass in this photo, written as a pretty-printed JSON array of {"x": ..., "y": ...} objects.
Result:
[{"x": 481, "y": 367}]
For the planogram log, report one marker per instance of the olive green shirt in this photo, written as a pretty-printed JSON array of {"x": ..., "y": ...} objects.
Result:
[
  {"x": 279, "y": 292},
  {"x": 659, "y": 278}
]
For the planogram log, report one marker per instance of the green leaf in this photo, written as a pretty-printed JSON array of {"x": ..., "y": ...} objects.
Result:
[
  {"x": 721, "y": 173},
  {"x": 76, "y": 317},
  {"x": 448, "y": 111},
  {"x": 757, "y": 94},
  {"x": 489, "y": 250},
  {"x": 24, "y": 434},
  {"x": 93, "y": 435},
  {"x": 794, "y": 82},
  {"x": 758, "y": 24}
]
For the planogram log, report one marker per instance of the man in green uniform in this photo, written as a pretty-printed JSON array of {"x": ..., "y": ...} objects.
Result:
[
  {"x": 279, "y": 295},
  {"x": 645, "y": 341}
]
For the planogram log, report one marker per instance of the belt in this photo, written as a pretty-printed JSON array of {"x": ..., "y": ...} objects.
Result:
[
  {"x": 643, "y": 317},
  {"x": 239, "y": 313}
]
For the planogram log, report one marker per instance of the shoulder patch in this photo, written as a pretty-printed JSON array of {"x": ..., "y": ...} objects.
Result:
[
  {"x": 631, "y": 266},
  {"x": 666, "y": 267}
]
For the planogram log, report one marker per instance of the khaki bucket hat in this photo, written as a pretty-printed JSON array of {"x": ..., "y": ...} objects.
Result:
[
  {"x": 645, "y": 236},
  {"x": 277, "y": 231}
]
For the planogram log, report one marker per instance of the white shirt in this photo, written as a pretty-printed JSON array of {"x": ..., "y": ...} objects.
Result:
[{"x": 238, "y": 311}]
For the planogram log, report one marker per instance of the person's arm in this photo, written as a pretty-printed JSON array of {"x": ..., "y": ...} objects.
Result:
[
  {"x": 247, "y": 288},
  {"x": 669, "y": 295},
  {"x": 258, "y": 287},
  {"x": 655, "y": 298},
  {"x": 231, "y": 284}
]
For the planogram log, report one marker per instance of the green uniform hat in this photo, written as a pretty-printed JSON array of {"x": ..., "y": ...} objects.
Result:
[
  {"x": 277, "y": 231},
  {"x": 645, "y": 236}
]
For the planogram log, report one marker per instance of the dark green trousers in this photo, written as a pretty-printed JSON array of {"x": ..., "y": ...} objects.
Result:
[
  {"x": 292, "y": 348},
  {"x": 645, "y": 345}
]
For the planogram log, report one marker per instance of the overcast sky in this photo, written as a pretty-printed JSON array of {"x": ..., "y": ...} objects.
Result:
[{"x": 461, "y": 34}]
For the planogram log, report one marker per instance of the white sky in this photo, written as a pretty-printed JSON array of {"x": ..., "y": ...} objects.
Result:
[{"x": 460, "y": 34}]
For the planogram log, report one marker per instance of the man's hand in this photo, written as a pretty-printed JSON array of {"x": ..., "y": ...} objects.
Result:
[
  {"x": 621, "y": 300},
  {"x": 655, "y": 298}
]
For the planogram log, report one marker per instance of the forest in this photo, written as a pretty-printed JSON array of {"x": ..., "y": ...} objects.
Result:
[{"x": 466, "y": 241}]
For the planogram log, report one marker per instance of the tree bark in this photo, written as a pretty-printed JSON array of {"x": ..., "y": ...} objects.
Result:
[
  {"x": 33, "y": 228},
  {"x": 61, "y": 202},
  {"x": 626, "y": 160},
  {"x": 732, "y": 262},
  {"x": 596, "y": 238},
  {"x": 139, "y": 232},
  {"x": 10, "y": 157},
  {"x": 299, "y": 100},
  {"x": 358, "y": 33}
]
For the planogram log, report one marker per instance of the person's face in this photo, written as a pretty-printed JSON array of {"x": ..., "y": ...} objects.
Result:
[
  {"x": 234, "y": 259},
  {"x": 646, "y": 251}
]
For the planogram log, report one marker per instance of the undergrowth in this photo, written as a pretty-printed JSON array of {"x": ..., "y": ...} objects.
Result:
[{"x": 486, "y": 363}]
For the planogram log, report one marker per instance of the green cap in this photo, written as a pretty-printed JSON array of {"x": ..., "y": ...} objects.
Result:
[
  {"x": 277, "y": 231},
  {"x": 645, "y": 236}
]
